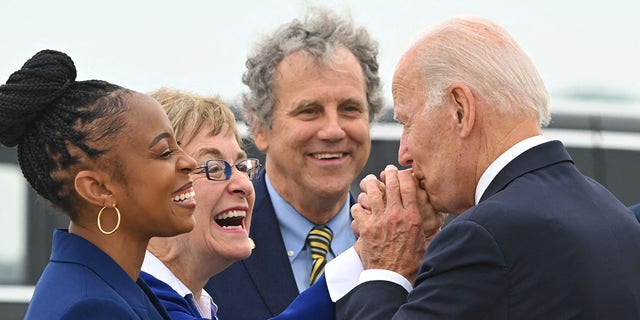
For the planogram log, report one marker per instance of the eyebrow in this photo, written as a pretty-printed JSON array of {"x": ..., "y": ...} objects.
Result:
[
  {"x": 301, "y": 105},
  {"x": 159, "y": 137},
  {"x": 353, "y": 100},
  {"x": 307, "y": 102},
  {"x": 216, "y": 153}
]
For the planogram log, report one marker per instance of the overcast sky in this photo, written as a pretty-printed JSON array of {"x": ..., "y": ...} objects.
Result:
[
  {"x": 578, "y": 45},
  {"x": 201, "y": 46}
]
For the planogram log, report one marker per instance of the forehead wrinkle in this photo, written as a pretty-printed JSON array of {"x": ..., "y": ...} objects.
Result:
[{"x": 207, "y": 151}]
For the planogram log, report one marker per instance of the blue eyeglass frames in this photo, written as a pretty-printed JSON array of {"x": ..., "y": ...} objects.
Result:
[{"x": 220, "y": 170}]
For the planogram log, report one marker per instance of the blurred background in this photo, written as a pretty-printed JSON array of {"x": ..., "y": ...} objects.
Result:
[{"x": 586, "y": 51}]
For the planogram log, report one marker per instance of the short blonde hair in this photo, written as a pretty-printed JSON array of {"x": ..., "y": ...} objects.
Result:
[{"x": 189, "y": 112}]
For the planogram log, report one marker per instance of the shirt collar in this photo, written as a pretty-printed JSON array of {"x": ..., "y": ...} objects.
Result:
[
  {"x": 295, "y": 227},
  {"x": 504, "y": 159},
  {"x": 153, "y": 266}
]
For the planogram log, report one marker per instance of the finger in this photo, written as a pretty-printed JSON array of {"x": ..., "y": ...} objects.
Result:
[
  {"x": 392, "y": 186},
  {"x": 408, "y": 189},
  {"x": 376, "y": 198},
  {"x": 354, "y": 227},
  {"x": 363, "y": 186},
  {"x": 363, "y": 200}
]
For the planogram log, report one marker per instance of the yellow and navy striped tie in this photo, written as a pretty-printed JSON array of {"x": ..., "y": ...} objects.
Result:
[{"x": 319, "y": 240}]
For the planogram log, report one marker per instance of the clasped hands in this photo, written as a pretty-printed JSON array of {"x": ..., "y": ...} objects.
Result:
[{"x": 394, "y": 222}]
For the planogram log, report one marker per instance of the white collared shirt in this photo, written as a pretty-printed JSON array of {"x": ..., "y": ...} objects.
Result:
[
  {"x": 153, "y": 266},
  {"x": 294, "y": 228},
  {"x": 504, "y": 159},
  {"x": 345, "y": 272}
]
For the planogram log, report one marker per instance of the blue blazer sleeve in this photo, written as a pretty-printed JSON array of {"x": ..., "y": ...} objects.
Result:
[
  {"x": 636, "y": 211},
  {"x": 312, "y": 304},
  {"x": 176, "y": 306}
]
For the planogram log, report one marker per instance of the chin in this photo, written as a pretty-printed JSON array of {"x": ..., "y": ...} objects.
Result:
[{"x": 238, "y": 253}]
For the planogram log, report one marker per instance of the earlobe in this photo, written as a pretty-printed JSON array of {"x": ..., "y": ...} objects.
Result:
[{"x": 91, "y": 187}]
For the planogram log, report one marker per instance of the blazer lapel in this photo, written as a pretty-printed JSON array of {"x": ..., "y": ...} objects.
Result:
[
  {"x": 535, "y": 158},
  {"x": 277, "y": 276},
  {"x": 78, "y": 250}
]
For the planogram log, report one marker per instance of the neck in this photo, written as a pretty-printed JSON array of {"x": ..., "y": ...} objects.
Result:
[
  {"x": 496, "y": 142},
  {"x": 317, "y": 208},
  {"x": 190, "y": 267},
  {"x": 125, "y": 249}
]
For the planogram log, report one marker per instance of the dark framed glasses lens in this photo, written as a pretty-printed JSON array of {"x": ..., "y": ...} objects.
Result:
[{"x": 216, "y": 169}]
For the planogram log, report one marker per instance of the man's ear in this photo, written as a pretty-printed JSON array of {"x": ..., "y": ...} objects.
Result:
[
  {"x": 464, "y": 108},
  {"x": 91, "y": 186},
  {"x": 261, "y": 139}
]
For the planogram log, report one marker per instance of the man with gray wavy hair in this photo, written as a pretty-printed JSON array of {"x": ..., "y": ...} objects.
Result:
[{"x": 314, "y": 91}]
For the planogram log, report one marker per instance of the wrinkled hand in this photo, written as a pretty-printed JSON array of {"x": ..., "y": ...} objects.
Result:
[{"x": 391, "y": 219}]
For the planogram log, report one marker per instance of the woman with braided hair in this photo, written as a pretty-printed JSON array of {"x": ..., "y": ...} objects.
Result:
[{"x": 107, "y": 157}]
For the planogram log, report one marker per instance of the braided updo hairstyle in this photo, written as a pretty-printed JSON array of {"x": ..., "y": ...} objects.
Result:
[{"x": 59, "y": 125}]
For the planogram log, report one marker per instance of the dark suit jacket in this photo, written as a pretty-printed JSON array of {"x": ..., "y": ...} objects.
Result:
[
  {"x": 636, "y": 210},
  {"x": 263, "y": 285},
  {"x": 545, "y": 242},
  {"x": 82, "y": 282}
]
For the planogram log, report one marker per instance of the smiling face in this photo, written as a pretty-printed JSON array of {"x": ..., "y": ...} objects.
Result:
[
  {"x": 223, "y": 213},
  {"x": 152, "y": 184},
  {"x": 319, "y": 141}
]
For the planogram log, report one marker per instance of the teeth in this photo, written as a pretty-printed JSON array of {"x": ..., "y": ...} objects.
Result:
[
  {"x": 231, "y": 227},
  {"x": 231, "y": 214},
  {"x": 185, "y": 196},
  {"x": 327, "y": 155}
]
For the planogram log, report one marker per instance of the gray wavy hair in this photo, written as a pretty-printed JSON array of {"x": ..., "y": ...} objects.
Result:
[{"x": 318, "y": 35}]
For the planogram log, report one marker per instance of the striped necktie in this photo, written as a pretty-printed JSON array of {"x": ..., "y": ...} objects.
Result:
[{"x": 319, "y": 240}]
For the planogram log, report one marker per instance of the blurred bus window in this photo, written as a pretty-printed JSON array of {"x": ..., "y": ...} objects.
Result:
[{"x": 13, "y": 219}]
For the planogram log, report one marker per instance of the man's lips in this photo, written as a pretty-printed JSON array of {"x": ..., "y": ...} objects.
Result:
[{"x": 328, "y": 155}]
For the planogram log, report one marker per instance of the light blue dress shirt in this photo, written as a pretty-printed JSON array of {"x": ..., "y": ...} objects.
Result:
[{"x": 295, "y": 227}]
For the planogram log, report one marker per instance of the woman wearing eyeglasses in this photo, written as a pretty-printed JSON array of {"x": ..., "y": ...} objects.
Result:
[{"x": 177, "y": 268}]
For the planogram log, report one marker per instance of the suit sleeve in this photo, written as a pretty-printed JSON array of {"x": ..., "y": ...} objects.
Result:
[
  {"x": 463, "y": 276},
  {"x": 313, "y": 303},
  {"x": 371, "y": 300}
]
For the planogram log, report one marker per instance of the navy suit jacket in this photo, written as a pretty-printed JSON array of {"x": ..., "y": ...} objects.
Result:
[
  {"x": 636, "y": 210},
  {"x": 545, "y": 242},
  {"x": 263, "y": 285},
  {"x": 313, "y": 303},
  {"x": 82, "y": 282}
]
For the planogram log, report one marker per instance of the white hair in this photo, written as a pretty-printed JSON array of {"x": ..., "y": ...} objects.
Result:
[{"x": 483, "y": 56}]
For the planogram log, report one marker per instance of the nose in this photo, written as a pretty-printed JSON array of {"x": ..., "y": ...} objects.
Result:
[
  {"x": 239, "y": 183},
  {"x": 404, "y": 157},
  {"x": 186, "y": 163},
  {"x": 332, "y": 129}
]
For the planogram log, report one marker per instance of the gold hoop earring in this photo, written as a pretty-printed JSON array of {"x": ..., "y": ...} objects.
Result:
[{"x": 117, "y": 223}]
